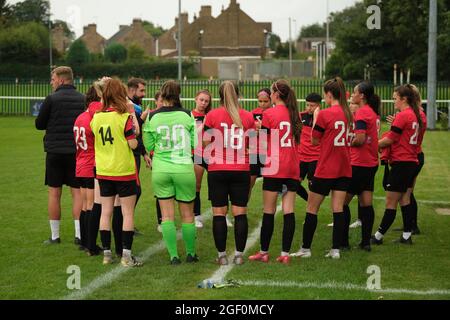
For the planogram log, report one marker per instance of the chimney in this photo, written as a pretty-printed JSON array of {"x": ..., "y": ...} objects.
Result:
[
  {"x": 184, "y": 18},
  {"x": 234, "y": 3},
  {"x": 92, "y": 28},
  {"x": 137, "y": 22},
  {"x": 205, "y": 11}
]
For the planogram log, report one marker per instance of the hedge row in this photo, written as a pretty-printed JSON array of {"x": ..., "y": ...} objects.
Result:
[{"x": 146, "y": 70}]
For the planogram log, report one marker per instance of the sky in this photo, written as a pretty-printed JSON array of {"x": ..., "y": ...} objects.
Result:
[{"x": 109, "y": 14}]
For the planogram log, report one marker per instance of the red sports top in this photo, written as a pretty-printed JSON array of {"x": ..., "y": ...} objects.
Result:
[
  {"x": 261, "y": 147},
  {"x": 199, "y": 120},
  {"x": 386, "y": 152},
  {"x": 405, "y": 132},
  {"x": 307, "y": 152},
  {"x": 332, "y": 129},
  {"x": 84, "y": 140},
  {"x": 94, "y": 107},
  {"x": 229, "y": 148},
  {"x": 282, "y": 153},
  {"x": 367, "y": 122}
]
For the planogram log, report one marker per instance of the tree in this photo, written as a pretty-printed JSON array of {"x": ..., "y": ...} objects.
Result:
[
  {"x": 116, "y": 53},
  {"x": 155, "y": 31},
  {"x": 135, "y": 53},
  {"x": 67, "y": 32},
  {"x": 5, "y": 13},
  {"x": 26, "y": 43},
  {"x": 32, "y": 11},
  {"x": 402, "y": 40},
  {"x": 282, "y": 50},
  {"x": 78, "y": 53},
  {"x": 274, "y": 41},
  {"x": 313, "y": 31}
]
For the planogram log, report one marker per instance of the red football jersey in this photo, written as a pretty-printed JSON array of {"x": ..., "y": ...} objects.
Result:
[
  {"x": 332, "y": 129},
  {"x": 199, "y": 119},
  {"x": 385, "y": 152},
  {"x": 94, "y": 107},
  {"x": 282, "y": 153},
  {"x": 229, "y": 148},
  {"x": 366, "y": 121},
  {"x": 258, "y": 114},
  {"x": 307, "y": 152},
  {"x": 84, "y": 140},
  {"x": 405, "y": 132},
  {"x": 261, "y": 147},
  {"x": 422, "y": 133}
]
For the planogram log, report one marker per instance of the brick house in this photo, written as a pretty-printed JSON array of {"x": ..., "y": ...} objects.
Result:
[
  {"x": 233, "y": 33},
  {"x": 134, "y": 34},
  {"x": 94, "y": 42}
]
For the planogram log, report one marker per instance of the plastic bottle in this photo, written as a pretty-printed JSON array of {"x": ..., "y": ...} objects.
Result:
[{"x": 206, "y": 284}]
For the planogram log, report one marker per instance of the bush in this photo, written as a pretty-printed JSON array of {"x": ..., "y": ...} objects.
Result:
[
  {"x": 116, "y": 53},
  {"x": 78, "y": 53},
  {"x": 147, "y": 70}
]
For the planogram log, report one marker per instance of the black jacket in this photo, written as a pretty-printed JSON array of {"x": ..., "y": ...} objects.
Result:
[{"x": 57, "y": 116}]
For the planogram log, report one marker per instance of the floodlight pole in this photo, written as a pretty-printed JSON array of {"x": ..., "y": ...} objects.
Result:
[
  {"x": 180, "y": 71},
  {"x": 50, "y": 40},
  {"x": 432, "y": 49},
  {"x": 328, "y": 30}
]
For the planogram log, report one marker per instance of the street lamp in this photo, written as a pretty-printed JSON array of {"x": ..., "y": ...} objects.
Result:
[{"x": 180, "y": 72}]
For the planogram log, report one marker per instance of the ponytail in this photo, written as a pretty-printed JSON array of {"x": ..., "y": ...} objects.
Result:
[
  {"x": 229, "y": 99},
  {"x": 288, "y": 96},
  {"x": 337, "y": 89},
  {"x": 367, "y": 89}
]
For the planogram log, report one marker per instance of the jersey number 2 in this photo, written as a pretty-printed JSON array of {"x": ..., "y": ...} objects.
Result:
[
  {"x": 342, "y": 137},
  {"x": 415, "y": 137}
]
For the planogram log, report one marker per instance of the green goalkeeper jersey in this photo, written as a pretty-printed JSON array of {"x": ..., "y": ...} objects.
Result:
[{"x": 170, "y": 133}]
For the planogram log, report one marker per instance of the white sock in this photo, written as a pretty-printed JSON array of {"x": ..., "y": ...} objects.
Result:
[
  {"x": 378, "y": 235},
  {"x": 238, "y": 253},
  {"x": 126, "y": 253},
  {"x": 54, "y": 226},
  {"x": 77, "y": 229},
  {"x": 222, "y": 254},
  {"x": 107, "y": 252},
  {"x": 284, "y": 254},
  {"x": 264, "y": 252},
  {"x": 406, "y": 235}
]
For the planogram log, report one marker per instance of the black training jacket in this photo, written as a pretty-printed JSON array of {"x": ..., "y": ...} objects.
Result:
[{"x": 57, "y": 116}]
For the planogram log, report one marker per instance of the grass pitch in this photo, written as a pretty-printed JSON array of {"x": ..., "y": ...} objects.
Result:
[{"x": 30, "y": 270}]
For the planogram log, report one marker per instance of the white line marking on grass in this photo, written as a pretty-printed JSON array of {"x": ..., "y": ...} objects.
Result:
[
  {"x": 340, "y": 286},
  {"x": 112, "y": 275},
  {"x": 447, "y": 203},
  {"x": 221, "y": 273}
]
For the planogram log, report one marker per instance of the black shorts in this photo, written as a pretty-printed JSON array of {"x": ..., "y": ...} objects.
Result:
[
  {"x": 401, "y": 176},
  {"x": 200, "y": 161},
  {"x": 124, "y": 189},
  {"x": 421, "y": 158},
  {"x": 60, "y": 170},
  {"x": 276, "y": 184},
  {"x": 363, "y": 179},
  {"x": 324, "y": 186},
  {"x": 232, "y": 185},
  {"x": 308, "y": 169},
  {"x": 257, "y": 162},
  {"x": 86, "y": 183}
]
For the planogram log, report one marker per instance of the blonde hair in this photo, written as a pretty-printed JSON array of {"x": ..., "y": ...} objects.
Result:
[
  {"x": 229, "y": 94},
  {"x": 63, "y": 72}
]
